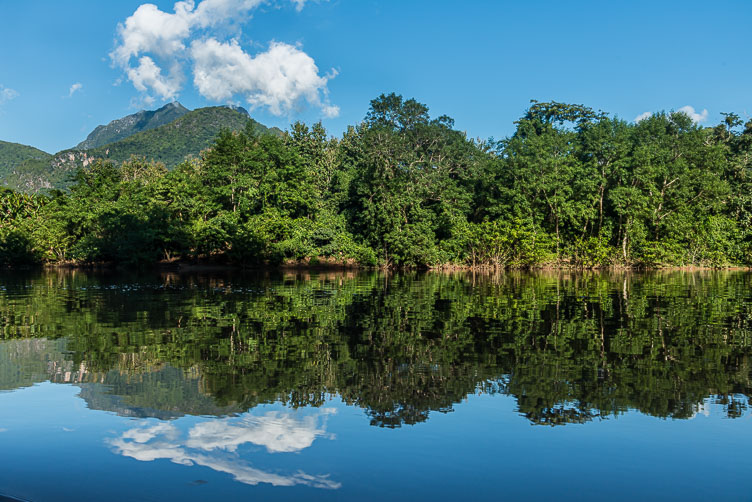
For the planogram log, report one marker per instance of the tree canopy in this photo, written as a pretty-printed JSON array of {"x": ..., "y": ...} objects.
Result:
[{"x": 571, "y": 187}]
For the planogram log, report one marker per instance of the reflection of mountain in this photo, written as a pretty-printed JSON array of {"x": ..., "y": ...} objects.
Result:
[
  {"x": 28, "y": 361},
  {"x": 164, "y": 393},
  {"x": 215, "y": 444},
  {"x": 568, "y": 348}
]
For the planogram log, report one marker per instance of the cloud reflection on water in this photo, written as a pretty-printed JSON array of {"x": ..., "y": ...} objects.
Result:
[{"x": 214, "y": 444}]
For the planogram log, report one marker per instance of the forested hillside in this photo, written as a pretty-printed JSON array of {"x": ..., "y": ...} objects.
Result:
[
  {"x": 571, "y": 187},
  {"x": 13, "y": 155},
  {"x": 171, "y": 143},
  {"x": 168, "y": 135}
]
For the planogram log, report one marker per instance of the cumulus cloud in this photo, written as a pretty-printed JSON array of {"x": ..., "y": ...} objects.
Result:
[
  {"x": 643, "y": 116},
  {"x": 7, "y": 94},
  {"x": 149, "y": 29},
  {"x": 691, "y": 113},
  {"x": 281, "y": 79},
  {"x": 148, "y": 76},
  {"x": 217, "y": 12},
  {"x": 214, "y": 444},
  {"x": 74, "y": 88}
]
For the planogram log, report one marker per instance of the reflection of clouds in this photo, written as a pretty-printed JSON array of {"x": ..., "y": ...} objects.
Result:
[
  {"x": 702, "y": 408},
  {"x": 278, "y": 432},
  {"x": 167, "y": 430}
]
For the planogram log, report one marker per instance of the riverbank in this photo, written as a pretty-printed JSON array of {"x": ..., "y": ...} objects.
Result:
[{"x": 323, "y": 264}]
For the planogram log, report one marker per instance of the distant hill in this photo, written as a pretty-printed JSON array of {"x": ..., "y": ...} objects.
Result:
[
  {"x": 12, "y": 155},
  {"x": 174, "y": 142},
  {"x": 132, "y": 124},
  {"x": 34, "y": 176},
  {"x": 169, "y": 143}
]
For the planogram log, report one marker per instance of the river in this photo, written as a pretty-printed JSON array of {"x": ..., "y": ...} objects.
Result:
[{"x": 372, "y": 386}]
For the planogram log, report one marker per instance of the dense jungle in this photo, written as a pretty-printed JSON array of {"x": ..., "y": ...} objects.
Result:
[{"x": 572, "y": 187}]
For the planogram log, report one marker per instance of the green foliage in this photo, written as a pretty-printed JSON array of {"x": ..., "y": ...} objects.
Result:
[
  {"x": 18, "y": 213},
  {"x": 570, "y": 188},
  {"x": 592, "y": 252},
  {"x": 500, "y": 244},
  {"x": 411, "y": 181},
  {"x": 12, "y": 155},
  {"x": 16, "y": 249}
]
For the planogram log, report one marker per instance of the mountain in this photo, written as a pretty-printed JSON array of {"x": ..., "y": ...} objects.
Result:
[
  {"x": 174, "y": 142},
  {"x": 12, "y": 155},
  {"x": 33, "y": 176},
  {"x": 132, "y": 124},
  {"x": 170, "y": 143}
]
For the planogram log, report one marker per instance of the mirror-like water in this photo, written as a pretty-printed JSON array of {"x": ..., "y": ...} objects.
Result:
[{"x": 343, "y": 386}]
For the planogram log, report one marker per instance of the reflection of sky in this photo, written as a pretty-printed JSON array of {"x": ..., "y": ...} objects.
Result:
[
  {"x": 482, "y": 452},
  {"x": 214, "y": 444}
]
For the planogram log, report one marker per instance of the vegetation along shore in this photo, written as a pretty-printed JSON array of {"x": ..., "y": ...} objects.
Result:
[{"x": 571, "y": 187}]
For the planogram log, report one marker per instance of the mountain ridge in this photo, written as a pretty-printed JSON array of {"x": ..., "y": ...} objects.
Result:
[
  {"x": 121, "y": 128},
  {"x": 15, "y": 154},
  {"x": 182, "y": 137}
]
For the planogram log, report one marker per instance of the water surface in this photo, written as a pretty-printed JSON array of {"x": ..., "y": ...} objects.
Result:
[{"x": 343, "y": 386}]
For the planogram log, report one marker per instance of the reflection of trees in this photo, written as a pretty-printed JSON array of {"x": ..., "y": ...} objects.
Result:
[{"x": 568, "y": 347}]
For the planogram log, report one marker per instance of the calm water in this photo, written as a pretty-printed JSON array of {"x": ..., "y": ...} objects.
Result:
[{"x": 344, "y": 386}]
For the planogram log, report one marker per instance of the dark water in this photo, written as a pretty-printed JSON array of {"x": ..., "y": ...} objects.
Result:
[{"x": 371, "y": 387}]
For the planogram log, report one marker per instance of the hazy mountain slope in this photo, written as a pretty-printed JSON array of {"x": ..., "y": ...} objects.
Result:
[
  {"x": 35, "y": 175},
  {"x": 14, "y": 154},
  {"x": 169, "y": 143},
  {"x": 173, "y": 142},
  {"x": 132, "y": 124}
]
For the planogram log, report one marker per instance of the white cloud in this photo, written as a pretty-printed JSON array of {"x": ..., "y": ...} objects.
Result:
[
  {"x": 216, "y": 12},
  {"x": 149, "y": 29},
  {"x": 148, "y": 76},
  {"x": 7, "y": 94},
  {"x": 330, "y": 111},
  {"x": 691, "y": 113},
  {"x": 643, "y": 116},
  {"x": 282, "y": 79},
  {"x": 74, "y": 88},
  {"x": 279, "y": 79},
  {"x": 214, "y": 444}
]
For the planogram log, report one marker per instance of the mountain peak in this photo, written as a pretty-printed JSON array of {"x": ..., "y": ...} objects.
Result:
[
  {"x": 173, "y": 105},
  {"x": 238, "y": 109},
  {"x": 132, "y": 124}
]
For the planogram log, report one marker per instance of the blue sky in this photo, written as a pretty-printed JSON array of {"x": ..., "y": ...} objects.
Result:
[{"x": 479, "y": 62}]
